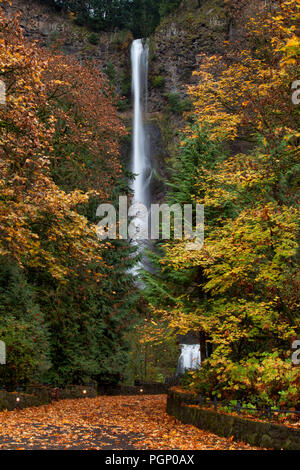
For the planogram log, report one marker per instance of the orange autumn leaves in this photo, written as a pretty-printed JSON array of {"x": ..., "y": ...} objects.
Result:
[
  {"x": 57, "y": 112},
  {"x": 106, "y": 422},
  {"x": 248, "y": 91}
]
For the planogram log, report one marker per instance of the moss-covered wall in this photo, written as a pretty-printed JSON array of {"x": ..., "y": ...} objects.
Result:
[{"x": 256, "y": 433}]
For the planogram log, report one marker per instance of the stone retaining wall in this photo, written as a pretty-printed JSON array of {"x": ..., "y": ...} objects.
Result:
[
  {"x": 15, "y": 400},
  {"x": 261, "y": 434},
  {"x": 40, "y": 395},
  {"x": 138, "y": 389}
]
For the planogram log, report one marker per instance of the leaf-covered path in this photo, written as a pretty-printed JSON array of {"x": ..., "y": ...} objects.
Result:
[{"x": 105, "y": 423}]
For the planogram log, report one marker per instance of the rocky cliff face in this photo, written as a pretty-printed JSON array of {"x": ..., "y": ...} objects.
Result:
[
  {"x": 39, "y": 22},
  {"x": 49, "y": 28},
  {"x": 179, "y": 40},
  {"x": 174, "y": 50}
]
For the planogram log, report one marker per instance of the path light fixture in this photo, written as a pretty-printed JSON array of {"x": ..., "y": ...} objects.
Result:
[
  {"x": 141, "y": 390},
  {"x": 84, "y": 392},
  {"x": 18, "y": 399}
]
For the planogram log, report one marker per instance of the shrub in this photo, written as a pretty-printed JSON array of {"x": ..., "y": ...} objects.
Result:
[
  {"x": 177, "y": 104},
  {"x": 264, "y": 380},
  {"x": 111, "y": 72},
  {"x": 93, "y": 39},
  {"x": 122, "y": 104},
  {"x": 80, "y": 20},
  {"x": 125, "y": 78},
  {"x": 122, "y": 39},
  {"x": 22, "y": 328},
  {"x": 158, "y": 82}
]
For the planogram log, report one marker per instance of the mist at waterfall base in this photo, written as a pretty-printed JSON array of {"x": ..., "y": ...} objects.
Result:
[{"x": 190, "y": 358}]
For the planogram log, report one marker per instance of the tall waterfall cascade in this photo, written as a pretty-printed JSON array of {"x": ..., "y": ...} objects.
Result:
[{"x": 141, "y": 166}]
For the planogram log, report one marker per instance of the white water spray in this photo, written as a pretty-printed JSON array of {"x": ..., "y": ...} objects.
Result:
[{"x": 190, "y": 358}]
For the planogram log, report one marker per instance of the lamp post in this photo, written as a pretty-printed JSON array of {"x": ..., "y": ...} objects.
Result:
[{"x": 18, "y": 399}]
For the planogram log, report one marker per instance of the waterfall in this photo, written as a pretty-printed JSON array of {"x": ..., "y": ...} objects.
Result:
[
  {"x": 190, "y": 358},
  {"x": 141, "y": 166},
  {"x": 140, "y": 161}
]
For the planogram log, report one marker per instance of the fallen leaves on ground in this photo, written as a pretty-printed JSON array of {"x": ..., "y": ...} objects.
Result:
[{"x": 106, "y": 422}]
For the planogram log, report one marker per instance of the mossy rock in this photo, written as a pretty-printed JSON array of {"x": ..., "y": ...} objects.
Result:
[
  {"x": 266, "y": 441},
  {"x": 288, "y": 445},
  {"x": 252, "y": 438}
]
